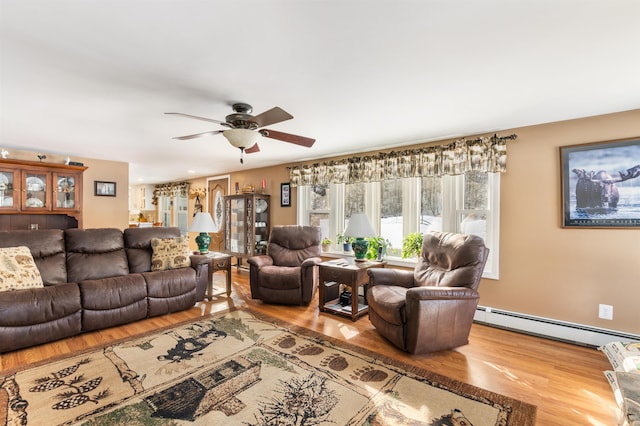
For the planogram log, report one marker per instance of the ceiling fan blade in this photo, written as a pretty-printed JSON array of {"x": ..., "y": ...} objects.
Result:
[
  {"x": 211, "y": 120},
  {"x": 254, "y": 148},
  {"x": 198, "y": 135},
  {"x": 272, "y": 116},
  {"x": 288, "y": 137}
]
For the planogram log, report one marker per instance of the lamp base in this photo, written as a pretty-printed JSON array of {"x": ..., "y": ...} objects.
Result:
[
  {"x": 360, "y": 247},
  {"x": 203, "y": 240}
]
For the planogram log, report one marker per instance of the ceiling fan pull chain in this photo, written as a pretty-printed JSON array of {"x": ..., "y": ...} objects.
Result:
[{"x": 241, "y": 155}]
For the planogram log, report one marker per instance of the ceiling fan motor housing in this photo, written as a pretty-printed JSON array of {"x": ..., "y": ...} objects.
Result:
[{"x": 241, "y": 118}]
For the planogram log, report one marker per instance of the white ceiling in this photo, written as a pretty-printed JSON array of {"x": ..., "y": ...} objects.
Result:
[{"x": 92, "y": 78}]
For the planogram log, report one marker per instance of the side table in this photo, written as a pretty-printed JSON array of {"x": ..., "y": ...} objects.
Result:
[
  {"x": 219, "y": 262},
  {"x": 335, "y": 274}
]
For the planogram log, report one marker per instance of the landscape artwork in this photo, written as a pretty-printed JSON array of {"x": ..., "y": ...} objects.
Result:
[{"x": 601, "y": 184}]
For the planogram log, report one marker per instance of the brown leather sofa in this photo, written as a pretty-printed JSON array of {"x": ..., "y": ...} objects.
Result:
[
  {"x": 93, "y": 279},
  {"x": 288, "y": 273},
  {"x": 430, "y": 308}
]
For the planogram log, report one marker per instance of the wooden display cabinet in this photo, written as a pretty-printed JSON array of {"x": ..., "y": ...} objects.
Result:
[
  {"x": 46, "y": 194},
  {"x": 247, "y": 225}
]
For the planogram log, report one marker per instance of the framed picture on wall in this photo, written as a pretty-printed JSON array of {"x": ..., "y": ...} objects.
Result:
[
  {"x": 104, "y": 189},
  {"x": 285, "y": 194},
  {"x": 601, "y": 184}
]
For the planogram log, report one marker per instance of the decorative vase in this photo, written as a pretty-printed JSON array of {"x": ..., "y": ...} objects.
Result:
[{"x": 360, "y": 248}]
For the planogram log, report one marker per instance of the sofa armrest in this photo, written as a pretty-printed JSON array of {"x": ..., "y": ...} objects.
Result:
[
  {"x": 441, "y": 293},
  {"x": 260, "y": 261},
  {"x": 397, "y": 277},
  {"x": 312, "y": 261},
  {"x": 202, "y": 265}
]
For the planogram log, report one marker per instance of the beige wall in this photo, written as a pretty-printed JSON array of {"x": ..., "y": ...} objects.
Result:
[
  {"x": 106, "y": 212},
  {"x": 550, "y": 271}
]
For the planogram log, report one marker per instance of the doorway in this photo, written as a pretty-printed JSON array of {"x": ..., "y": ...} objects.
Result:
[{"x": 217, "y": 188}]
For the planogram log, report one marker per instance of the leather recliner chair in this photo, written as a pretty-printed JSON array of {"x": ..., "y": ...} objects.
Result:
[
  {"x": 288, "y": 273},
  {"x": 430, "y": 308}
]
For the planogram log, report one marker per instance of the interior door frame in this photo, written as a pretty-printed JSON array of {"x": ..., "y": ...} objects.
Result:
[{"x": 218, "y": 237}]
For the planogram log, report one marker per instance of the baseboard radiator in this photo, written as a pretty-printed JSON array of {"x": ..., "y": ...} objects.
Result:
[{"x": 550, "y": 328}]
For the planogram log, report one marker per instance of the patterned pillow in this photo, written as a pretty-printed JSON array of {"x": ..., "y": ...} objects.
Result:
[
  {"x": 170, "y": 253},
  {"x": 18, "y": 270}
]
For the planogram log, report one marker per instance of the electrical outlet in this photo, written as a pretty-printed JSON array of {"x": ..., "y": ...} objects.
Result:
[{"x": 605, "y": 312}]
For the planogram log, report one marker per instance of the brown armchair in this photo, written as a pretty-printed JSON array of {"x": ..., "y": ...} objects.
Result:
[
  {"x": 430, "y": 308},
  {"x": 288, "y": 273}
]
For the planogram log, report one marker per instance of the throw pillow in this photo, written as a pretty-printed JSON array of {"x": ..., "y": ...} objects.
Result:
[
  {"x": 170, "y": 253},
  {"x": 18, "y": 269}
]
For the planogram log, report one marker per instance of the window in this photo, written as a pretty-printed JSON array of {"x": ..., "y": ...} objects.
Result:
[{"x": 467, "y": 203}]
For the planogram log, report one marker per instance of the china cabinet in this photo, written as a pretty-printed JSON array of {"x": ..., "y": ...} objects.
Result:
[
  {"x": 247, "y": 224},
  {"x": 44, "y": 194}
]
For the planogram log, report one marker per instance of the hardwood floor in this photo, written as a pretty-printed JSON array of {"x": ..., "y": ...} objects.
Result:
[{"x": 564, "y": 381}]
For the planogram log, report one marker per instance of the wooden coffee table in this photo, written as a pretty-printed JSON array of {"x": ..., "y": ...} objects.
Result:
[{"x": 337, "y": 274}]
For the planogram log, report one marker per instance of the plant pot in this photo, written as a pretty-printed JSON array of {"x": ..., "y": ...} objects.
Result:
[
  {"x": 346, "y": 247},
  {"x": 326, "y": 247}
]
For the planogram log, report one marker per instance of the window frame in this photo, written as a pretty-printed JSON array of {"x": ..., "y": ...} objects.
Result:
[{"x": 452, "y": 211}]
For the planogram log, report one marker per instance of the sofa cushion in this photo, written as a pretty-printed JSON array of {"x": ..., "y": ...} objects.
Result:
[
  {"x": 95, "y": 254},
  {"x": 113, "y": 301},
  {"x": 18, "y": 271},
  {"x": 170, "y": 291},
  {"x": 170, "y": 253},
  {"x": 47, "y": 248},
  {"x": 38, "y": 315},
  {"x": 137, "y": 242},
  {"x": 290, "y": 245},
  {"x": 388, "y": 301},
  {"x": 280, "y": 277}
]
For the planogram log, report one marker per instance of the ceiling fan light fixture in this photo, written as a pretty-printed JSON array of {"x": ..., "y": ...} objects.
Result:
[{"x": 241, "y": 138}]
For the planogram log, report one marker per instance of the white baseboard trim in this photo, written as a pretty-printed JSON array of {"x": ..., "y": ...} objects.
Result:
[{"x": 550, "y": 328}]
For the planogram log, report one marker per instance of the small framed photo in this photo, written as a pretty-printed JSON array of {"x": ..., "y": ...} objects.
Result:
[
  {"x": 601, "y": 184},
  {"x": 104, "y": 189},
  {"x": 285, "y": 194}
]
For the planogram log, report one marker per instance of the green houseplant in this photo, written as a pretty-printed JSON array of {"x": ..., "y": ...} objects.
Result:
[
  {"x": 345, "y": 241},
  {"x": 374, "y": 244},
  {"x": 411, "y": 245},
  {"x": 326, "y": 244}
]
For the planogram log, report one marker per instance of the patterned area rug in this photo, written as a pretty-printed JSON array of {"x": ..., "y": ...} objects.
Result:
[{"x": 239, "y": 368}]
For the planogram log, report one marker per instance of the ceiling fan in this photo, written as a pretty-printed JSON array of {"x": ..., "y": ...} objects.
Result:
[{"x": 244, "y": 130}]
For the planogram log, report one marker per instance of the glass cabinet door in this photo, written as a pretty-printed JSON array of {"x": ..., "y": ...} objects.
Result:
[
  {"x": 237, "y": 225},
  {"x": 35, "y": 191},
  {"x": 8, "y": 190},
  {"x": 65, "y": 191},
  {"x": 261, "y": 225}
]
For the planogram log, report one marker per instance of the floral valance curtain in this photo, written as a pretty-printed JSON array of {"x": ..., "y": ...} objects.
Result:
[
  {"x": 175, "y": 189},
  {"x": 486, "y": 154}
]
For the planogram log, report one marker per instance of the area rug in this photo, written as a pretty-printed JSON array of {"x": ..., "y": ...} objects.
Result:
[{"x": 241, "y": 368}]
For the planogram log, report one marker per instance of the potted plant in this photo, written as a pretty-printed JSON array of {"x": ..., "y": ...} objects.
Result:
[
  {"x": 326, "y": 244},
  {"x": 376, "y": 243},
  {"x": 412, "y": 245},
  {"x": 345, "y": 241}
]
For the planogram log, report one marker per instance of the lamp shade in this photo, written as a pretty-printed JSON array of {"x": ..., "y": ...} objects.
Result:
[
  {"x": 359, "y": 226},
  {"x": 241, "y": 138},
  {"x": 203, "y": 222}
]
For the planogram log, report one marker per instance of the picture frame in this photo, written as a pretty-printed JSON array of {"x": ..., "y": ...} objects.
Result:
[
  {"x": 601, "y": 184},
  {"x": 285, "y": 194},
  {"x": 104, "y": 189}
]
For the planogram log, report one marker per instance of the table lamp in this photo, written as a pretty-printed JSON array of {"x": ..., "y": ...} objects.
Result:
[
  {"x": 360, "y": 228},
  {"x": 203, "y": 223}
]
